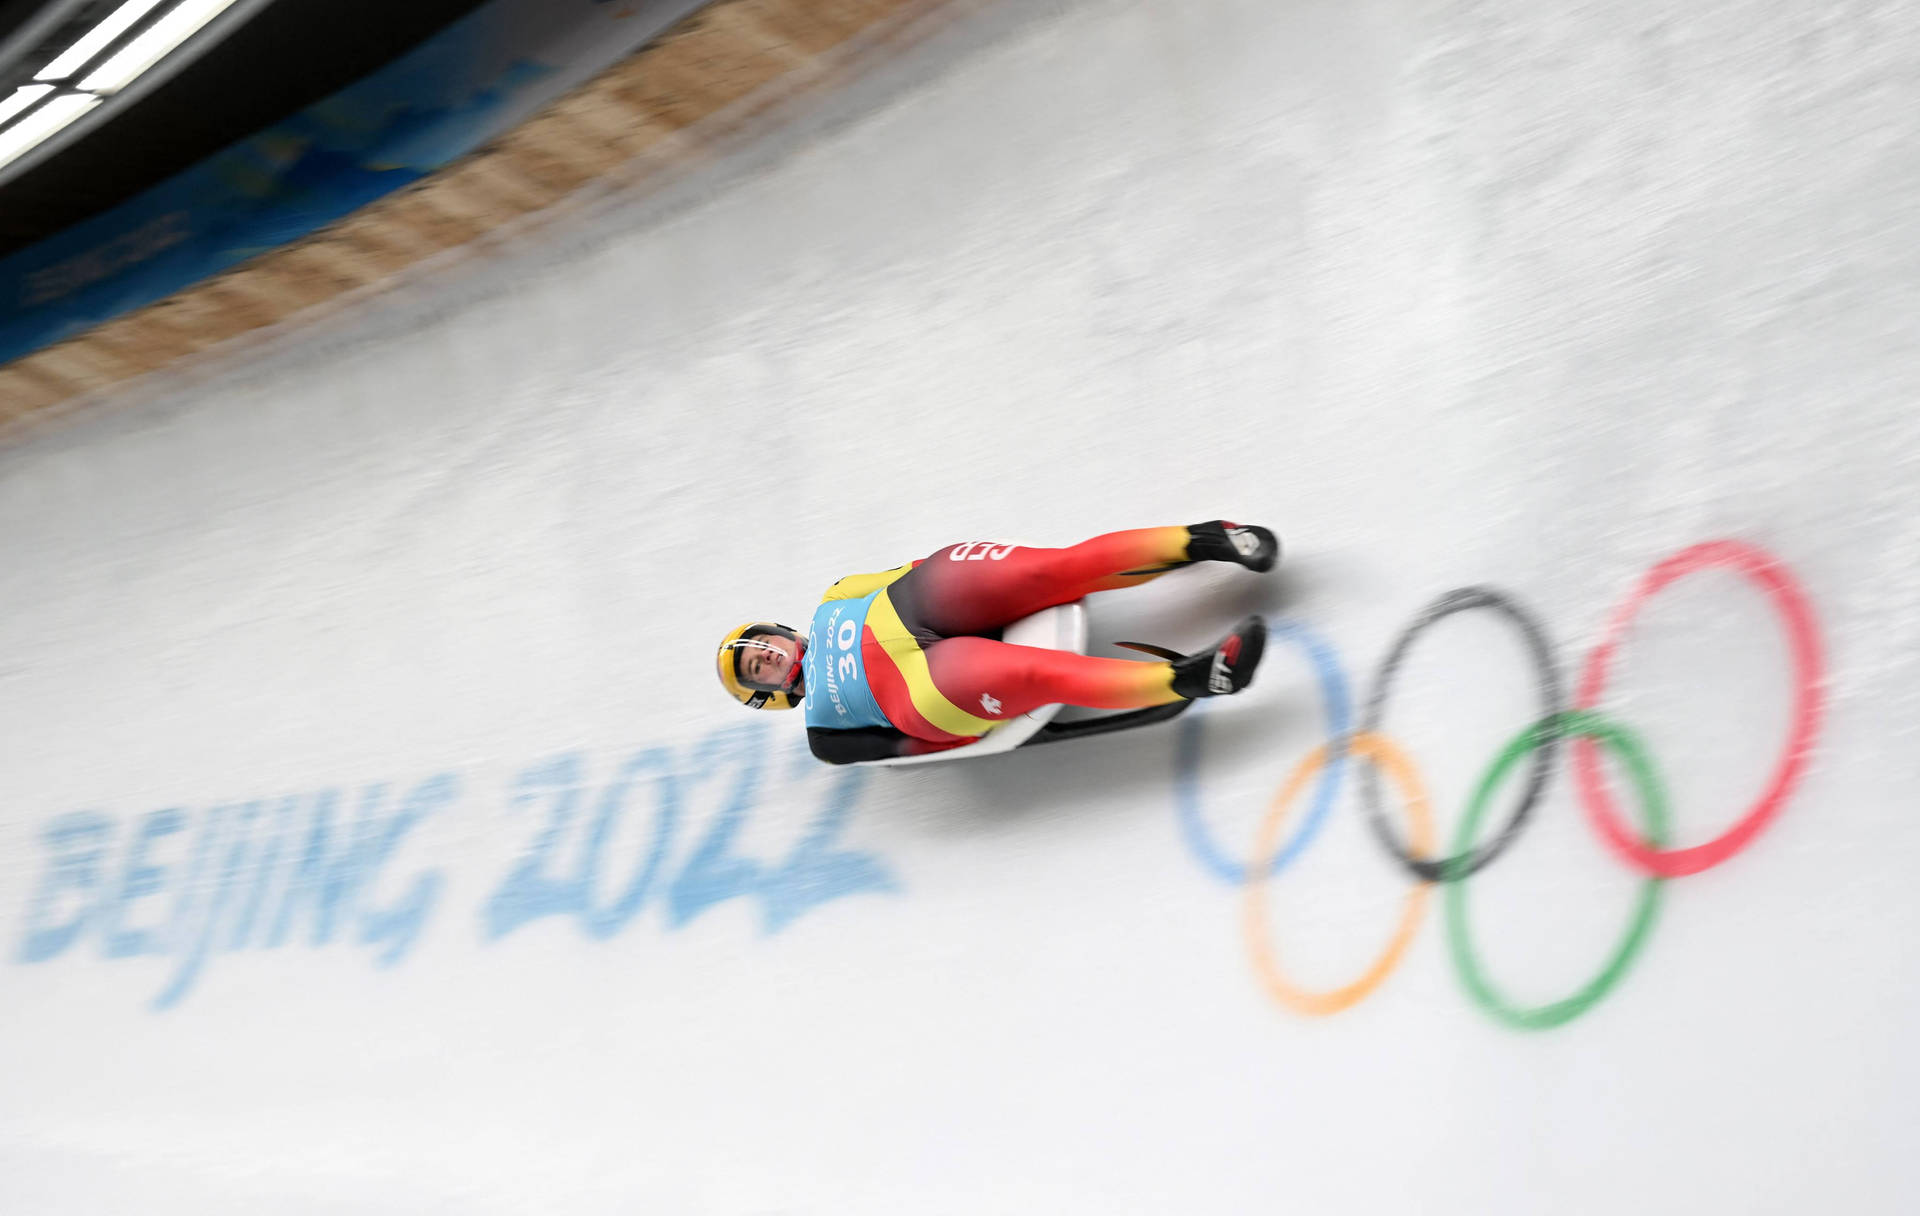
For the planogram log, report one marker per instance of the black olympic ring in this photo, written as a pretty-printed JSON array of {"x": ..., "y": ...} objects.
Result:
[{"x": 1460, "y": 865}]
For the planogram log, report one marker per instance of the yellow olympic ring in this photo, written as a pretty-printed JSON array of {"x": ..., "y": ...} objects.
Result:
[{"x": 1400, "y": 771}]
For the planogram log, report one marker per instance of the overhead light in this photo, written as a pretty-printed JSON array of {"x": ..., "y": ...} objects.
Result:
[
  {"x": 23, "y": 97},
  {"x": 96, "y": 39},
  {"x": 39, "y": 126},
  {"x": 182, "y": 23}
]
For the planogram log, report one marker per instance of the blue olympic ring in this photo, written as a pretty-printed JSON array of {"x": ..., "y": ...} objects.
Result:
[{"x": 1186, "y": 779}]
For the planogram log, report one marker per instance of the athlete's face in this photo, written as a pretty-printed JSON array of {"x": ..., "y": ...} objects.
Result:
[{"x": 767, "y": 659}]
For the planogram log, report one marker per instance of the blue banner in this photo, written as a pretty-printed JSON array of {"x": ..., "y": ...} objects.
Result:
[{"x": 473, "y": 80}]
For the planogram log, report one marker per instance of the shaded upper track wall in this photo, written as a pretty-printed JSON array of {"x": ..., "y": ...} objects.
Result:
[
  {"x": 376, "y": 838},
  {"x": 471, "y": 81},
  {"x": 663, "y": 108}
]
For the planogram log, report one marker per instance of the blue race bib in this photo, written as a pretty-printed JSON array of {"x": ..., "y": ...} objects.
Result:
[{"x": 838, "y": 697}]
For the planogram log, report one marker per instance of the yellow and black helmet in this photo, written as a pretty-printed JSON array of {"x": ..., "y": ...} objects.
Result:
[{"x": 749, "y": 693}]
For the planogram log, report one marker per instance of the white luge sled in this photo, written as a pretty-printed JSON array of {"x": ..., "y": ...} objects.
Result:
[{"x": 1061, "y": 628}]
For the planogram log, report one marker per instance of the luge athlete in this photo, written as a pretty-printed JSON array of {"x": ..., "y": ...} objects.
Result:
[{"x": 907, "y": 661}]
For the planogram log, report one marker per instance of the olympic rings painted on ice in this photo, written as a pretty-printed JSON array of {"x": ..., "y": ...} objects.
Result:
[{"x": 1583, "y": 725}]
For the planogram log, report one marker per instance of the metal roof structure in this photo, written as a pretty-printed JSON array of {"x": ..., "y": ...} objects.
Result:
[{"x": 250, "y": 64}]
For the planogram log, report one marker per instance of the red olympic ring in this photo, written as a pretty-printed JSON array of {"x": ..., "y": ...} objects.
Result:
[{"x": 1809, "y": 700}]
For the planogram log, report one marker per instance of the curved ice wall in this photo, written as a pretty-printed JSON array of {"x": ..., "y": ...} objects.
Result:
[{"x": 376, "y": 840}]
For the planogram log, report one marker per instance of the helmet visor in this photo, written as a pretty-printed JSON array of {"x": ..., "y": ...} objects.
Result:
[{"x": 762, "y": 664}]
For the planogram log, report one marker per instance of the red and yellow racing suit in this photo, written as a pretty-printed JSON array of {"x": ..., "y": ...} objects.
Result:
[{"x": 907, "y": 660}]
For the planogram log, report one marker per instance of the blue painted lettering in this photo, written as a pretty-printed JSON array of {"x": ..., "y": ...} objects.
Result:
[
  {"x": 247, "y": 875},
  {"x": 78, "y": 844},
  {"x": 138, "y": 880}
]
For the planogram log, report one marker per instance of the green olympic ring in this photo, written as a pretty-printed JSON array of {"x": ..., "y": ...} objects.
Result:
[{"x": 1653, "y": 808}]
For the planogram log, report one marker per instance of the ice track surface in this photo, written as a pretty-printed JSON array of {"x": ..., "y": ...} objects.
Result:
[{"x": 377, "y": 840}]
